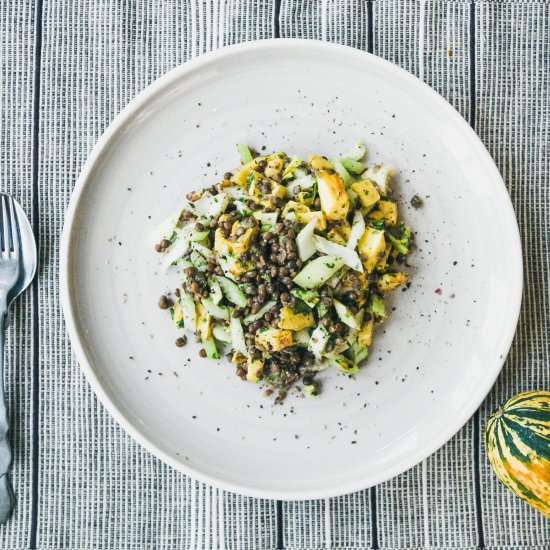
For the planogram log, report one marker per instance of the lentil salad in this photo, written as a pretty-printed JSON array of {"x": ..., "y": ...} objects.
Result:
[{"x": 286, "y": 262}]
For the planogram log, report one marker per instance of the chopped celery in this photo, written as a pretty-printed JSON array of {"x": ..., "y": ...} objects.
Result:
[
  {"x": 266, "y": 219},
  {"x": 345, "y": 315},
  {"x": 378, "y": 305},
  {"x": 209, "y": 346},
  {"x": 242, "y": 208},
  {"x": 189, "y": 311},
  {"x": 163, "y": 230},
  {"x": 337, "y": 277},
  {"x": 381, "y": 175},
  {"x": 237, "y": 336},
  {"x": 353, "y": 166},
  {"x": 359, "y": 353},
  {"x": 357, "y": 153},
  {"x": 232, "y": 291},
  {"x": 214, "y": 310},
  {"x": 349, "y": 256},
  {"x": 227, "y": 262},
  {"x": 235, "y": 193},
  {"x": 357, "y": 230},
  {"x": 304, "y": 182},
  {"x": 321, "y": 309},
  {"x": 344, "y": 364},
  {"x": 302, "y": 337},
  {"x": 198, "y": 261},
  {"x": 398, "y": 244},
  {"x": 215, "y": 291},
  {"x": 305, "y": 241},
  {"x": 403, "y": 241},
  {"x": 182, "y": 266},
  {"x": 316, "y": 272},
  {"x": 244, "y": 152},
  {"x": 177, "y": 315},
  {"x": 221, "y": 333},
  {"x": 210, "y": 206},
  {"x": 345, "y": 175},
  {"x": 310, "y": 297},
  {"x": 353, "y": 198},
  {"x": 174, "y": 253},
  {"x": 203, "y": 251},
  {"x": 199, "y": 236},
  {"x": 319, "y": 340},
  {"x": 292, "y": 165}
]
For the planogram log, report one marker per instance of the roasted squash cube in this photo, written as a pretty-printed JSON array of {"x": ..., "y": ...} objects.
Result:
[
  {"x": 254, "y": 369},
  {"x": 371, "y": 245},
  {"x": 319, "y": 163},
  {"x": 391, "y": 281},
  {"x": 364, "y": 338},
  {"x": 366, "y": 191},
  {"x": 333, "y": 195},
  {"x": 292, "y": 320},
  {"x": 273, "y": 339},
  {"x": 387, "y": 211}
]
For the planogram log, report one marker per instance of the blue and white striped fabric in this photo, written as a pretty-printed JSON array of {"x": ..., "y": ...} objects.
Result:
[{"x": 67, "y": 68}]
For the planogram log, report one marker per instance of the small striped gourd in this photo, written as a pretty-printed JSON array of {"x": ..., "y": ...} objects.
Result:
[{"x": 517, "y": 438}]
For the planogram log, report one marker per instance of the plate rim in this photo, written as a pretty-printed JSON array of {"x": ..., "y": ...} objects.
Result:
[{"x": 69, "y": 229}]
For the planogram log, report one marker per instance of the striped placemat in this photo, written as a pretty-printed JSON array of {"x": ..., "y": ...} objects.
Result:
[{"x": 67, "y": 68}]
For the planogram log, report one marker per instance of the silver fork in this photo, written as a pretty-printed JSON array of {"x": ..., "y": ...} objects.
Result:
[{"x": 9, "y": 275}]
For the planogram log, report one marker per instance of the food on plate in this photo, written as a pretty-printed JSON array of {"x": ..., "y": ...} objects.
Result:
[
  {"x": 517, "y": 437},
  {"x": 285, "y": 264}
]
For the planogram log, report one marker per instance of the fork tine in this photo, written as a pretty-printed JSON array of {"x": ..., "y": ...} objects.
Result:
[
  {"x": 14, "y": 228},
  {"x": 5, "y": 229}
]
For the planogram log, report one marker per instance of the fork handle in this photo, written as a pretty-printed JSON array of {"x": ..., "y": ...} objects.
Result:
[{"x": 6, "y": 493}]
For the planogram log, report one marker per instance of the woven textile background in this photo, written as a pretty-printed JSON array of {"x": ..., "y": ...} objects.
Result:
[{"x": 67, "y": 68}]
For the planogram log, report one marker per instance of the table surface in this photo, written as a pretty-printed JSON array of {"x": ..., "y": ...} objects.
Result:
[{"x": 67, "y": 68}]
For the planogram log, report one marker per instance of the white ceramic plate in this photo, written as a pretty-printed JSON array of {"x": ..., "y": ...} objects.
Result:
[{"x": 431, "y": 365}]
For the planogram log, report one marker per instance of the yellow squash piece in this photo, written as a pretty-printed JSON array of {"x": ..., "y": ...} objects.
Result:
[
  {"x": 319, "y": 163},
  {"x": 344, "y": 228},
  {"x": 335, "y": 237},
  {"x": 350, "y": 276},
  {"x": 364, "y": 338},
  {"x": 204, "y": 322},
  {"x": 295, "y": 321},
  {"x": 274, "y": 166},
  {"x": 221, "y": 244},
  {"x": 241, "y": 244},
  {"x": 382, "y": 262},
  {"x": 254, "y": 186},
  {"x": 371, "y": 246},
  {"x": 296, "y": 207},
  {"x": 366, "y": 191},
  {"x": 306, "y": 217},
  {"x": 333, "y": 195},
  {"x": 390, "y": 281},
  {"x": 241, "y": 176},
  {"x": 387, "y": 211},
  {"x": 238, "y": 358},
  {"x": 238, "y": 267},
  {"x": 278, "y": 190},
  {"x": 274, "y": 339},
  {"x": 304, "y": 198},
  {"x": 255, "y": 367}
]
